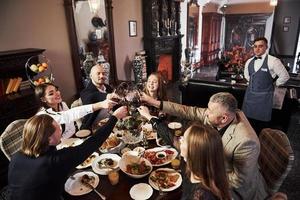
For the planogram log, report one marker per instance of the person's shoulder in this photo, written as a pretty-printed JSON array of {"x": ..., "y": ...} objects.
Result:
[{"x": 273, "y": 58}]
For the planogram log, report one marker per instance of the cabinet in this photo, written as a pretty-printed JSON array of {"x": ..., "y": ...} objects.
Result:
[
  {"x": 210, "y": 44},
  {"x": 21, "y": 104},
  {"x": 161, "y": 23}
]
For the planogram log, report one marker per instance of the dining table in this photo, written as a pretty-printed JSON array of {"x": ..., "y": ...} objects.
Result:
[{"x": 121, "y": 191}]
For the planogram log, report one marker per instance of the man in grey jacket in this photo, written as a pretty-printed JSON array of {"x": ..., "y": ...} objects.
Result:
[{"x": 241, "y": 144}]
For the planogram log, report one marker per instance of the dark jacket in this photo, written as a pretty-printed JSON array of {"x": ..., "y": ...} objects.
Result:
[{"x": 91, "y": 95}]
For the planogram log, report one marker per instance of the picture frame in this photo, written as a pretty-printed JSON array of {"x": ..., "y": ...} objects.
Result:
[
  {"x": 287, "y": 20},
  {"x": 285, "y": 29},
  {"x": 132, "y": 28}
]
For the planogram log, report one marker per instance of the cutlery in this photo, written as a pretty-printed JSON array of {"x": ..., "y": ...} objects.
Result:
[
  {"x": 87, "y": 184},
  {"x": 160, "y": 190}
]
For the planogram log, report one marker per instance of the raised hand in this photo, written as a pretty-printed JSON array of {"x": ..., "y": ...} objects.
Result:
[
  {"x": 144, "y": 111},
  {"x": 108, "y": 104},
  {"x": 121, "y": 112},
  {"x": 113, "y": 96},
  {"x": 149, "y": 100}
]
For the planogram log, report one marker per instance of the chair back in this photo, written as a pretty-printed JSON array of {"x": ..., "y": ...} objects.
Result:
[
  {"x": 276, "y": 158},
  {"x": 77, "y": 103},
  {"x": 11, "y": 138}
]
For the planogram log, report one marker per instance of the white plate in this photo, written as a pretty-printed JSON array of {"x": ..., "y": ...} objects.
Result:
[
  {"x": 88, "y": 162},
  {"x": 177, "y": 183},
  {"x": 141, "y": 191},
  {"x": 83, "y": 133},
  {"x": 157, "y": 162},
  {"x": 75, "y": 187},
  {"x": 69, "y": 142},
  {"x": 104, "y": 171}
]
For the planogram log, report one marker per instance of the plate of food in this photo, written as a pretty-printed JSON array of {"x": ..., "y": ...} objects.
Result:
[
  {"x": 160, "y": 156},
  {"x": 132, "y": 137},
  {"x": 135, "y": 166},
  {"x": 88, "y": 162},
  {"x": 149, "y": 132},
  {"x": 106, "y": 162},
  {"x": 69, "y": 142},
  {"x": 75, "y": 185},
  {"x": 112, "y": 144},
  {"x": 165, "y": 178}
]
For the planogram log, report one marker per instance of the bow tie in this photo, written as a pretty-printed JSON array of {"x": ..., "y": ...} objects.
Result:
[{"x": 257, "y": 57}]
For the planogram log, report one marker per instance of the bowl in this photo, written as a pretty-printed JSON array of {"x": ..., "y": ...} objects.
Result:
[
  {"x": 112, "y": 144},
  {"x": 130, "y": 161}
]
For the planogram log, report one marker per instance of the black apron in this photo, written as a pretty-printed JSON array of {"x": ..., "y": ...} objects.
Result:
[{"x": 258, "y": 98}]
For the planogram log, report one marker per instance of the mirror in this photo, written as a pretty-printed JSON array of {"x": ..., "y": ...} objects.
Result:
[
  {"x": 193, "y": 10},
  {"x": 91, "y": 35}
]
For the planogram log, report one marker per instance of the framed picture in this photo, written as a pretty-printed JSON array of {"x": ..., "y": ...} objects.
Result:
[
  {"x": 285, "y": 29},
  {"x": 286, "y": 20},
  {"x": 132, "y": 28}
]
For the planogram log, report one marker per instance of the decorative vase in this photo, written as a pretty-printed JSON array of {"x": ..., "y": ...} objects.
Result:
[
  {"x": 88, "y": 63},
  {"x": 139, "y": 69}
]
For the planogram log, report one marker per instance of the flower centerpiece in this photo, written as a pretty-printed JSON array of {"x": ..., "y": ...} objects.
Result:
[{"x": 233, "y": 61}]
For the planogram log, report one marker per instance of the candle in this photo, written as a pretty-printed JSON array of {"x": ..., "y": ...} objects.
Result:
[{"x": 175, "y": 27}]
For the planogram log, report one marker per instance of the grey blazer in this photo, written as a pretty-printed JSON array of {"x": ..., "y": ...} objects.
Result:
[{"x": 241, "y": 147}]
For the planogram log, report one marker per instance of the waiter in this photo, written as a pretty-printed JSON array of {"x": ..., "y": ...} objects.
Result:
[{"x": 262, "y": 72}]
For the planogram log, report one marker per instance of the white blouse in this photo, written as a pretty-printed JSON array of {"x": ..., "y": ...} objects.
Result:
[{"x": 67, "y": 116}]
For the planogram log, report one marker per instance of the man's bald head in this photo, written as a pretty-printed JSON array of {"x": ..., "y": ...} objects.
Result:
[{"x": 98, "y": 75}]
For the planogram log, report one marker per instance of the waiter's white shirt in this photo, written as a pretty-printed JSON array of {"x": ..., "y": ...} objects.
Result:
[
  {"x": 68, "y": 116},
  {"x": 276, "y": 68}
]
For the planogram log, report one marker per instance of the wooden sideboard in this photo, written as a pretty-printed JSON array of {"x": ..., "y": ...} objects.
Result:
[{"x": 21, "y": 104}]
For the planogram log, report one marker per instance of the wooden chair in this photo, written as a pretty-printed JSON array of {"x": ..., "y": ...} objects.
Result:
[
  {"x": 276, "y": 158},
  {"x": 77, "y": 103},
  {"x": 11, "y": 138}
]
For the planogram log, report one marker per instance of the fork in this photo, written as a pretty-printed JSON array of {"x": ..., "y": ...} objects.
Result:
[
  {"x": 94, "y": 189},
  {"x": 160, "y": 190},
  {"x": 91, "y": 187}
]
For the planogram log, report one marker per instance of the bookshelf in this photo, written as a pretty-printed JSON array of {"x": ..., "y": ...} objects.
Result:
[{"x": 20, "y": 103}]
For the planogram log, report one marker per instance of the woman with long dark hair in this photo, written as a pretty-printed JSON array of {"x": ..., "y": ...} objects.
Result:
[
  {"x": 49, "y": 97},
  {"x": 204, "y": 175}
]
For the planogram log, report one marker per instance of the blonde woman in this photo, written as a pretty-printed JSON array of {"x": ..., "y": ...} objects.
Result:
[{"x": 39, "y": 171}]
